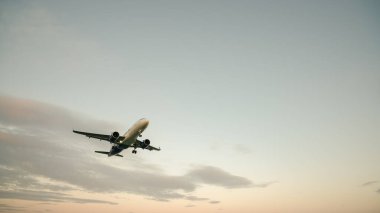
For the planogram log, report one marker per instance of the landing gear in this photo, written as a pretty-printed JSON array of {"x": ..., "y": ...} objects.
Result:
[{"x": 134, "y": 151}]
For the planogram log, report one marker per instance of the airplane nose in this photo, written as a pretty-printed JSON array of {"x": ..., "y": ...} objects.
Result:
[{"x": 145, "y": 121}]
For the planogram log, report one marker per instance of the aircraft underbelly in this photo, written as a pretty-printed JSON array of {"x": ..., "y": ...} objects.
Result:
[
  {"x": 132, "y": 134},
  {"x": 130, "y": 139},
  {"x": 128, "y": 142}
]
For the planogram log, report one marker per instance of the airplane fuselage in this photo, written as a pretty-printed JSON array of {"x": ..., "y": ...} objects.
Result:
[
  {"x": 134, "y": 132},
  {"x": 130, "y": 137}
]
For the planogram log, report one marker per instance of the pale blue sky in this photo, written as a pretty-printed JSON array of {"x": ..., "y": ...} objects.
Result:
[{"x": 283, "y": 91}]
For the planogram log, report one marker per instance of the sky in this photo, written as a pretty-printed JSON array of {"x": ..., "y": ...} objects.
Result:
[{"x": 258, "y": 106}]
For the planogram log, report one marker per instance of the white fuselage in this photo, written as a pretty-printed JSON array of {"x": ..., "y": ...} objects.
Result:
[{"x": 135, "y": 131}]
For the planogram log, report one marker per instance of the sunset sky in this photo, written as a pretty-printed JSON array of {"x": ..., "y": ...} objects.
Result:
[{"x": 258, "y": 106}]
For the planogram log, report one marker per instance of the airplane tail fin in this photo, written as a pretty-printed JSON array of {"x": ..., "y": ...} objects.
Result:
[{"x": 106, "y": 153}]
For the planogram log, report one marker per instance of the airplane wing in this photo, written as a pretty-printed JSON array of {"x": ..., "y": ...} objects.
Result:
[
  {"x": 150, "y": 148},
  {"x": 98, "y": 136}
]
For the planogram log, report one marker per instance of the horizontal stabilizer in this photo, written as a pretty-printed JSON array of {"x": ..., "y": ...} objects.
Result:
[
  {"x": 106, "y": 153},
  {"x": 102, "y": 152}
]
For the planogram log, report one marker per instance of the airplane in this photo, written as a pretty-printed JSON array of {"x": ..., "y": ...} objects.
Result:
[{"x": 129, "y": 139}]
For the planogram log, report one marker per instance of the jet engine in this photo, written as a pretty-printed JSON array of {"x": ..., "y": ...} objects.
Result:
[
  {"x": 145, "y": 143},
  {"x": 113, "y": 137}
]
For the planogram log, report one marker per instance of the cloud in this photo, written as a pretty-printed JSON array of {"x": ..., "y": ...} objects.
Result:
[
  {"x": 39, "y": 153},
  {"x": 214, "y": 202},
  {"x": 369, "y": 183},
  {"x": 189, "y": 206},
  {"x": 30, "y": 155},
  {"x": 14, "y": 179},
  {"x": 216, "y": 176},
  {"x": 194, "y": 198},
  {"x": 264, "y": 185},
  {"x": 21, "y": 115},
  {"x": 9, "y": 208},
  {"x": 242, "y": 149},
  {"x": 46, "y": 196}
]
